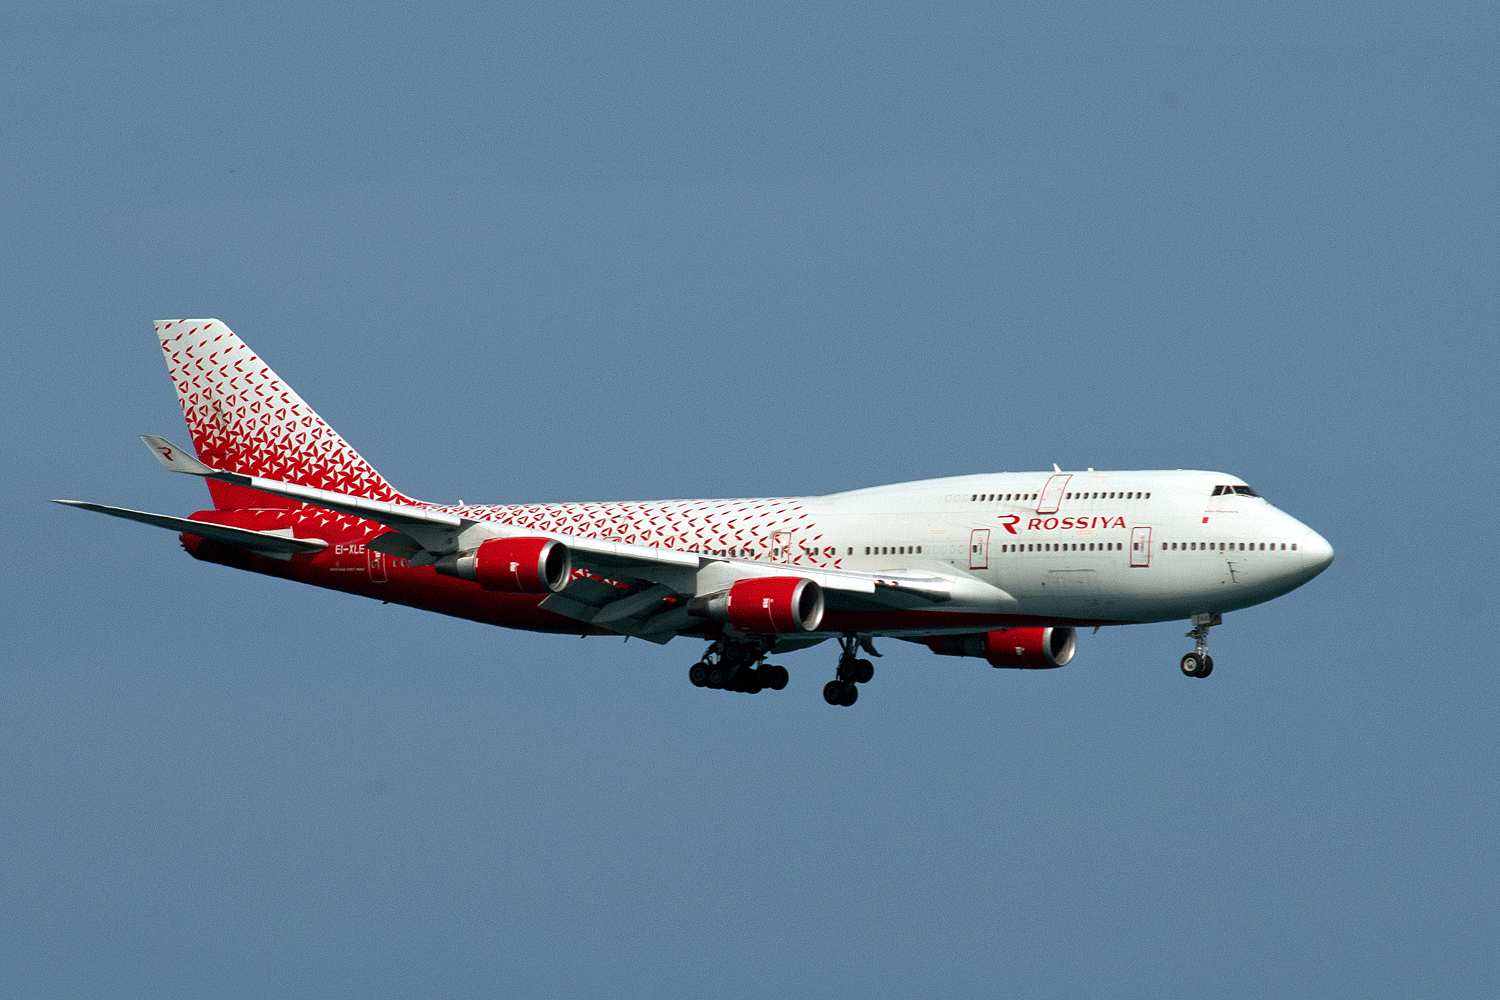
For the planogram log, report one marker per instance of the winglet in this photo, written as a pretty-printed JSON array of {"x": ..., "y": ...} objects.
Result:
[{"x": 175, "y": 458}]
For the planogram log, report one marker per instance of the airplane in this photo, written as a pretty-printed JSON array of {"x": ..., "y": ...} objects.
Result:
[{"x": 1004, "y": 567}]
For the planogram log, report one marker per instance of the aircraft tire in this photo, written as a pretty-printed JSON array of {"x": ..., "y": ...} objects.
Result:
[
  {"x": 1208, "y": 665},
  {"x": 864, "y": 671},
  {"x": 698, "y": 674},
  {"x": 849, "y": 695},
  {"x": 716, "y": 678},
  {"x": 833, "y": 692},
  {"x": 778, "y": 678},
  {"x": 1192, "y": 666}
]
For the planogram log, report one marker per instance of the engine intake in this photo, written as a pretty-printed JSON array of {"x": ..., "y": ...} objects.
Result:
[
  {"x": 1021, "y": 648},
  {"x": 765, "y": 605},
  {"x": 513, "y": 565}
]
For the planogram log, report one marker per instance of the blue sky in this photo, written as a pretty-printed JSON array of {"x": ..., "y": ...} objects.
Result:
[{"x": 666, "y": 251}]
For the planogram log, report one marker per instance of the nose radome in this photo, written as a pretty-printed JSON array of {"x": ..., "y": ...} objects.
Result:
[{"x": 1316, "y": 552}]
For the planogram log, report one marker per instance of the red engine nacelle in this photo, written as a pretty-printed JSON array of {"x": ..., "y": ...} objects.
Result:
[
  {"x": 767, "y": 605},
  {"x": 1023, "y": 648},
  {"x": 513, "y": 565}
]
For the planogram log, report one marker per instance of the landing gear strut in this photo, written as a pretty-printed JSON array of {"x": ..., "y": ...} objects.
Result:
[
  {"x": 1198, "y": 663},
  {"x": 852, "y": 671},
  {"x": 734, "y": 665}
]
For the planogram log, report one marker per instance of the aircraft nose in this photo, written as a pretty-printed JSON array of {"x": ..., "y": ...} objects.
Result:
[{"x": 1316, "y": 553}]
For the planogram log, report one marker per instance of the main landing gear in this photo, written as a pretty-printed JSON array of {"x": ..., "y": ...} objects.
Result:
[
  {"x": 852, "y": 671},
  {"x": 1198, "y": 663},
  {"x": 736, "y": 666}
]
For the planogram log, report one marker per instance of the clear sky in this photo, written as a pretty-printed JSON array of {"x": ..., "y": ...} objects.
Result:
[{"x": 661, "y": 250}]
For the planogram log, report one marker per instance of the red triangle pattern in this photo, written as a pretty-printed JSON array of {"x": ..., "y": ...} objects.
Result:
[
  {"x": 707, "y": 526},
  {"x": 244, "y": 419}
]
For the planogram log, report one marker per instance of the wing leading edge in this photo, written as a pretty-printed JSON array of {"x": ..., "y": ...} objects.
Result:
[{"x": 629, "y": 588}]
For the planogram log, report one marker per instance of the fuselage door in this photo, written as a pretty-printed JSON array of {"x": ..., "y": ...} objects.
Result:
[
  {"x": 1053, "y": 494},
  {"x": 781, "y": 546},
  {"x": 979, "y": 548},
  {"x": 375, "y": 563},
  {"x": 1140, "y": 546}
]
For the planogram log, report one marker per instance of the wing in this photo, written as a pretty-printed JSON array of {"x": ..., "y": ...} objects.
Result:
[{"x": 638, "y": 590}]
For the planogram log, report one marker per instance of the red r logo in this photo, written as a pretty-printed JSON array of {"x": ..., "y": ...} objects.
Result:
[
  {"x": 166, "y": 452},
  {"x": 1009, "y": 522}
]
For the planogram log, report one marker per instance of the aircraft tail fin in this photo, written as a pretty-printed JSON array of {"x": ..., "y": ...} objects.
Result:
[{"x": 245, "y": 419}]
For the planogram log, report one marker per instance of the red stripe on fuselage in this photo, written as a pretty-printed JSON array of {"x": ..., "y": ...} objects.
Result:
[{"x": 344, "y": 566}]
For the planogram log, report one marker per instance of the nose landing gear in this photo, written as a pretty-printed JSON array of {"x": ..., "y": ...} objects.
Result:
[
  {"x": 852, "y": 671},
  {"x": 1198, "y": 663}
]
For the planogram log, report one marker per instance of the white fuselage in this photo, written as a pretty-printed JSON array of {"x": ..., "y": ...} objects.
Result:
[{"x": 1086, "y": 547}]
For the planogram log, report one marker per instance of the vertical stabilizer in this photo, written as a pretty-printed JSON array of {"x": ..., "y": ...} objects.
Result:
[{"x": 244, "y": 419}]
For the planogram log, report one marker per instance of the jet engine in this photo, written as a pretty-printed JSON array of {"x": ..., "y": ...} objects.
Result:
[
  {"x": 765, "y": 605},
  {"x": 1022, "y": 648},
  {"x": 513, "y": 565}
]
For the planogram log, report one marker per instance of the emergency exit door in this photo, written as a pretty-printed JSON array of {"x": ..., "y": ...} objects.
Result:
[
  {"x": 375, "y": 563},
  {"x": 1052, "y": 494},
  {"x": 979, "y": 548},
  {"x": 1140, "y": 546}
]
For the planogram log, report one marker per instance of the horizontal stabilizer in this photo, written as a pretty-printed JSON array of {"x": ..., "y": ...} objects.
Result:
[
  {"x": 261, "y": 542},
  {"x": 173, "y": 457}
]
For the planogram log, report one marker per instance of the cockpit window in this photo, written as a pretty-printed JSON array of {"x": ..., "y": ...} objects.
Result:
[{"x": 1243, "y": 491}]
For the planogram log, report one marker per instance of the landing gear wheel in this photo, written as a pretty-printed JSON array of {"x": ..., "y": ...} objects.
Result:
[
  {"x": 850, "y": 695},
  {"x": 777, "y": 677},
  {"x": 1194, "y": 665},
  {"x": 752, "y": 681},
  {"x": 1208, "y": 665},
  {"x": 864, "y": 672},
  {"x": 698, "y": 674},
  {"x": 716, "y": 678},
  {"x": 833, "y": 692}
]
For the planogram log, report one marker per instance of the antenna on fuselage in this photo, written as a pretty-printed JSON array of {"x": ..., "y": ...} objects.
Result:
[{"x": 1055, "y": 468}]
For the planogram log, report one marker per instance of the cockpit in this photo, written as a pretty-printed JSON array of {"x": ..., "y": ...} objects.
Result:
[{"x": 1243, "y": 491}]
